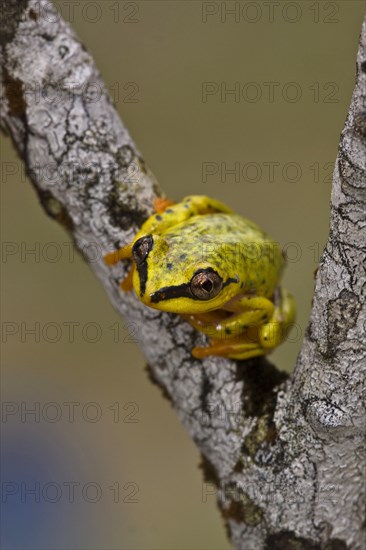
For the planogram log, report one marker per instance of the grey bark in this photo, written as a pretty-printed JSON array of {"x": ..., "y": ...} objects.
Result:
[{"x": 284, "y": 455}]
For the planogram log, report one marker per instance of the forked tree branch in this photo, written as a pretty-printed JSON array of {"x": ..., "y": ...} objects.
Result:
[{"x": 284, "y": 455}]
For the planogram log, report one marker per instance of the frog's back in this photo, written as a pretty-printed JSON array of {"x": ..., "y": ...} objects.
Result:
[
  {"x": 231, "y": 244},
  {"x": 228, "y": 228}
]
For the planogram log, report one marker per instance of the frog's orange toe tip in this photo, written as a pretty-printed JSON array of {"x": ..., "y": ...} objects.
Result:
[
  {"x": 200, "y": 353},
  {"x": 116, "y": 256},
  {"x": 110, "y": 258},
  {"x": 126, "y": 286},
  {"x": 161, "y": 204},
  {"x": 219, "y": 351}
]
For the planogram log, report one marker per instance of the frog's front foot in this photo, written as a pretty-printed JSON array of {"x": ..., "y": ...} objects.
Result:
[{"x": 247, "y": 335}]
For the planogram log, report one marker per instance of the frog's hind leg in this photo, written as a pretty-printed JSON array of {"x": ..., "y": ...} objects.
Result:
[
  {"x": 251, "y": 312},
  {"x": 257, "y": 330},
  {"x": 234, "y": 334},
  {"x": 272, "y": 334}
]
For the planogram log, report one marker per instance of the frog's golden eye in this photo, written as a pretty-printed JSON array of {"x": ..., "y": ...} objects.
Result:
[
  {"x": 141, "y": 249},
  {"x": 206, "y": 284}
]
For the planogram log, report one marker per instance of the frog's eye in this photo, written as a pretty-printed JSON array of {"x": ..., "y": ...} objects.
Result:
[
  {"x": 206, "y": 284},
  {"x": 141, "y": 249}
]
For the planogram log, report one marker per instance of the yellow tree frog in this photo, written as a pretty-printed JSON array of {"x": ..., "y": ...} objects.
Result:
[{"x": 217, "y": 269}]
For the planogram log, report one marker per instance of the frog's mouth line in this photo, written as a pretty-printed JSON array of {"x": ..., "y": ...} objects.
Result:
[
  {"x": 181, "y": 291},
  {"x": 170, "y": 292}
]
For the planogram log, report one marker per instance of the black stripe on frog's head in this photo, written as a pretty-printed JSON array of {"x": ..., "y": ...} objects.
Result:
[
  {"x": 140, "y": 252},
  {"x": 205, "y": 284}
]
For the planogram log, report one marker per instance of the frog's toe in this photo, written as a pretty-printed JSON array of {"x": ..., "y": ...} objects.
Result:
[
  {"x": 124, "y": 253},
  {"x": 271, "y": 335},
  {"x": 238, "y": 350},
  {"x": 160, "y": 205},
  {"x": 126, "y": 285}
]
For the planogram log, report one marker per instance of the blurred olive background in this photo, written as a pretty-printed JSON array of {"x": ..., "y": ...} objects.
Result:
[{"x": 99, "y": 423}]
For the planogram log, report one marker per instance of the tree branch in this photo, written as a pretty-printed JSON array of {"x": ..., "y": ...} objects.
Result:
[{"x": 284, "y": 456}]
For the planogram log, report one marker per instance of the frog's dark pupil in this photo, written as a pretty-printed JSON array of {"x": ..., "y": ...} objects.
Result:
[{"x": 207, "y": 285}]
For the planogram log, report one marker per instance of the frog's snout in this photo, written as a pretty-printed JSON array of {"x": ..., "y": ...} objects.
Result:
[{"x": 140, "y": 252}]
